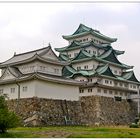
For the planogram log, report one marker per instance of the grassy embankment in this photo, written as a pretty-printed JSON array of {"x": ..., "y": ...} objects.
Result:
[{"x": 73, "y": 132}]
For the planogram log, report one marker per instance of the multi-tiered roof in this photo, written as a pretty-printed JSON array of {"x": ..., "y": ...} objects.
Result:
[{"x": 107, "y": 58}]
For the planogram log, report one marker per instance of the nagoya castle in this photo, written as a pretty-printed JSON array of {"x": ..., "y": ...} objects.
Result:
[{"x": 87, "y": 71}]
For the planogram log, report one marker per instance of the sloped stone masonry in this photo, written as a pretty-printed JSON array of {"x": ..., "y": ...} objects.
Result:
[{"x": 91, "y": 110}]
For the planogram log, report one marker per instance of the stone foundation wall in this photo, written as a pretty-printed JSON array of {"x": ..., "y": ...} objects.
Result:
[
  {"x": 91, "y": 110},
  {"x": 107, "y": 111}
]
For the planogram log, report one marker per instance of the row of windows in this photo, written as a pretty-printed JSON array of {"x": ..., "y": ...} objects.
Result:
[
  {"x": 125, "y": 85},
  {"x": 83, "y": 40},
  {"x": 105, "y": 91},
  {"x": 82, "y": 90},
  {"x": 85, "y": 67},
  {"x": 108, "y": 82},
  {"x": 13, "y": 90},
  {"x": 99, "y": 90},
  {"x": 97, "y": 41}
]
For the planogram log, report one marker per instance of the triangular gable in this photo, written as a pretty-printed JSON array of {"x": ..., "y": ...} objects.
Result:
[
  {"x": 110, "y": 56},
  {"x": 104, "y": 70},
  {"x": 68, "y": 71},
  {"x": 49, "y": 54},
  {"x": 73, "y": 44},
  {"x": 63, "y": 57},
  {"x": 82, "y": 54},
  {"x": 81, "y": 28},
  {"x": 7, "y": 74},
  {"x": 130, "y": 76}
]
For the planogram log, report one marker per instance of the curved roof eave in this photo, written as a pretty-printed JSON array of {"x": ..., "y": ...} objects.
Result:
[{"x": 36, "y": 56}]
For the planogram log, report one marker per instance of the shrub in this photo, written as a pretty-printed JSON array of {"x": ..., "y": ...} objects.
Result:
[
  {"x": 134, "y": 125},
  {"x": 7, "y": 119}
]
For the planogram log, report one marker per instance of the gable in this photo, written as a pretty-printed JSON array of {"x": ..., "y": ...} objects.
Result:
[
  {"x": 7, "y": 75},
  {"x": 50, "y": 55}
]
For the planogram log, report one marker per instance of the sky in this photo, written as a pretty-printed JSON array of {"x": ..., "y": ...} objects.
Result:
[{"x": 28, "y": 26}]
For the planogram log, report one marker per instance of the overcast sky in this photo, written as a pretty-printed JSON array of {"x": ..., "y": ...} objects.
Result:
[{"x": 25, "y": 26}]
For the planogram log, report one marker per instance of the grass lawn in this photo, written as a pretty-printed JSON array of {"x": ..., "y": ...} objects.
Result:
[{"x": 72, "y": 132}]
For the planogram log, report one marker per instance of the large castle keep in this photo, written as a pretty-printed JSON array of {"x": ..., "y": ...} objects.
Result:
[{"x": 85, "y": 84}]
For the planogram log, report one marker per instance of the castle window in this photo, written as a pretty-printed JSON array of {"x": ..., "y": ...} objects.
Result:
[
  {"x": 94, "y": 52},
  {"x": 89, "y": 51},
  {"x": 116, "y": 83},
  {"x": 1, "y": 91},
  {"x": 121, "y": 93},
  {"x": 111, "y": 82},
  {"x": 90, "y": 90},
  {"x": 105, "y": 91},
  {"x": 12, "y": 90},
  {"x": 78, "y": 68},
  {"x": 24, "y": 89},
  {"x": 84, "y": 39},
  {"x": 69, "y": 55},
  {"x": 121, "y": 84},
  {"x": 99, "y": 90},
  {"x": 106, "y": 81},
  {"x": 126, "y": 85},
  {"x": 115, "y": 71},
  {"x": 86, "y": 67},
  {"x": 90, "y": 80},
  {"x": 56, "y": 71},
  {"x": 110, "y": 91},
  {"x": 116, "y": 93},
  {"x": 42, "y": 68},
  {"x": 81, "y": 90},
  {"x": 134, "y": 86},
  {"x": 75, "y": 54}
]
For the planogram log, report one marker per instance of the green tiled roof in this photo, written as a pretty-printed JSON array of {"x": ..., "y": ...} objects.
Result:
[
  {"x": 130, "y": 76},
  {"x": 110, "y": 56},
  {"x": 83, "y": 30},
  {"x": 76, "y": 45},
  {"x": 86, "y": 73},
  {"x": 104, "y": 70},
  {"x": 107, "y": 57},
  {"x": 82, "y": 54},
  {"x": 68, "y": 71},
  {"x": 63, "y": 57}
]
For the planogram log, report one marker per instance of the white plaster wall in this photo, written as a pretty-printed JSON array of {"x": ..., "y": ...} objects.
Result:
[
  {"x": 50, "y": 54},
  {"x": 81, "y": 78},
  {"x": 115, "y": 68},
  {"x": 7, "y": 75},
  {"x": 73, "y": 52},
  {"x": 56, "y": 91},
  {"x": 110, "y": 82},
  {"x": 36, "y": 66},
  {"x": 95, "y": 92},
  {"x": 90, "y": 64},
  {"x": 90, "y": 37},
  {"x": 29, "y": 93}
]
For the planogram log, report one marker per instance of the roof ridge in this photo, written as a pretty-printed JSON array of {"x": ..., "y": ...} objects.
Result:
[{"x": 32, "y": 51}]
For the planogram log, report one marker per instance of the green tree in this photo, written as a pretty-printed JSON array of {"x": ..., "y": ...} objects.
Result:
[{"x": 7, "y": 119}]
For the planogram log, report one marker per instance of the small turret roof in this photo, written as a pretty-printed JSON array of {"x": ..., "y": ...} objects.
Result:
[
  {"x": 104, "y": 70},
  {"x": 84, "y": 30},
  {"x": 82, "y": 54},
  {"x": 109, "y": 55},
  {"x": 130, "y": 76}
]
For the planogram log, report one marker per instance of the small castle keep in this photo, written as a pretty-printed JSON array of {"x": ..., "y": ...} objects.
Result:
[{"x": 85, "y": 84}]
